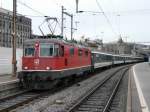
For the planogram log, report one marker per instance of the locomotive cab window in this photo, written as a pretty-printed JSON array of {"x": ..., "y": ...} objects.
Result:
[
  {"x": 29, "y": 50},
  {"x": 46, "y": 49}
]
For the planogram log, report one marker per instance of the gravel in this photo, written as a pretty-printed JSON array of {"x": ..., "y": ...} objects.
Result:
[
  {"x": 119, "y": 102},
  {"x": 61, "y": 101}
]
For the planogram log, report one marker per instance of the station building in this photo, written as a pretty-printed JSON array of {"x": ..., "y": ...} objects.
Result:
[{"x": 23, "y": 28}]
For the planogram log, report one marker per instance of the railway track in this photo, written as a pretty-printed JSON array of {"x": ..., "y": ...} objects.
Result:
[
  {"x": 11, "y": 102},
  {"x": 100, "y": 97},
  {"x": 18, "y": 99}
]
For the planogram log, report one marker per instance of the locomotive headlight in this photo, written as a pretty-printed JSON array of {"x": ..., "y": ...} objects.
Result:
[
  {"x": 36, "y": 45},
  {"x": 47, "y": 68},
  {"x": 25, "y": 67}
]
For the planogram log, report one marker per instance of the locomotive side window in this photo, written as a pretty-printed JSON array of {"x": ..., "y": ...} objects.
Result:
[
  {"x": 46, "y": 49},
  {"x": 61, "y": 51},
  {"x": 80, "y": 52},
  {"x": 29, "y": 50},
  {"x": 71, "y": 51},
  {"x": 86, "y": 53},
  {"x": 56, "y": 50}
]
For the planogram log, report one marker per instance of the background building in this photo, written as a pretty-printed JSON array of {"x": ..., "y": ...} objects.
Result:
[
  {"x": 23, "y": 28},
  {"x": 119, "y": 47}
]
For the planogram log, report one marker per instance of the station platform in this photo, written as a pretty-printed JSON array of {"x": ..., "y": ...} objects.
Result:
[
  {"x": 5, "y": 79},
  {"x": 141, "y": 75},
  {"x": 8, "y": 85}
]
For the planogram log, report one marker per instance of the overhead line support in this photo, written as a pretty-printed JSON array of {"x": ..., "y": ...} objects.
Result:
[
  {"x": 70, "y": 15},
  {"x": 14, "y": 62}
]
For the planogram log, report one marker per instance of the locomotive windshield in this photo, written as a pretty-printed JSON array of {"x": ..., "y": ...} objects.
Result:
[
  {"x": 46, "y": 49},
  {"x": 49, "y": 49},
  {"x": 29, "y": 50}
]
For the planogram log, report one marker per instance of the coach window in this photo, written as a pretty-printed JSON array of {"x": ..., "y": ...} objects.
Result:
[
  {"x": 46, "y": 49},
  {"x": 80, "y": 52},
  {"x": 97, "y": 57},
  {"x": 29, "y": 50},
  {"x": 106, "y": 58},
  {"x": 71, "y": 51}
]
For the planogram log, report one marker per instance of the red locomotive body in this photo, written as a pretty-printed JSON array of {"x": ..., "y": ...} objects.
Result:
[{"x": 45, "y": 61}]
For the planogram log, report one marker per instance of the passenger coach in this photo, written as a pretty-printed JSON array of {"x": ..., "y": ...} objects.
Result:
[{"x": 100, "y": 59}]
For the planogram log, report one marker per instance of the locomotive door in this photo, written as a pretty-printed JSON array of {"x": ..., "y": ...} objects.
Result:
[{"x": 62, "y": 54}]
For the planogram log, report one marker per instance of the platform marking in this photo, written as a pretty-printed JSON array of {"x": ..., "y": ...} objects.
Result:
[
  {"x": 9, "y": 82},
  {"x": 143, "y": 103}
]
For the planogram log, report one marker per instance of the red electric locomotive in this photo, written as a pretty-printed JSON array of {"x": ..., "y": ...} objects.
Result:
[{"x": 47, "y": 61}]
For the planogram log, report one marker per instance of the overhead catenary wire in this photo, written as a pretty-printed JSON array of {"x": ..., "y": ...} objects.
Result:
[
  {"x": 96, "y": 12},
  {"x": 108, "y": 21},
  {"x": 31, "y": 8},
  {"x": 136, "y": 11},
  {"x": 35, "y": 16},
  {"x": 40, "y": 13}
]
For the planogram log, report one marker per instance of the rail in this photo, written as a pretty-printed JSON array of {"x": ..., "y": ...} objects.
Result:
[{"x": 96, "y": 98}]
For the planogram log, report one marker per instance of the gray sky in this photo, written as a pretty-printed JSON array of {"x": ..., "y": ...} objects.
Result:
[{"x": 130, "y": 18}]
